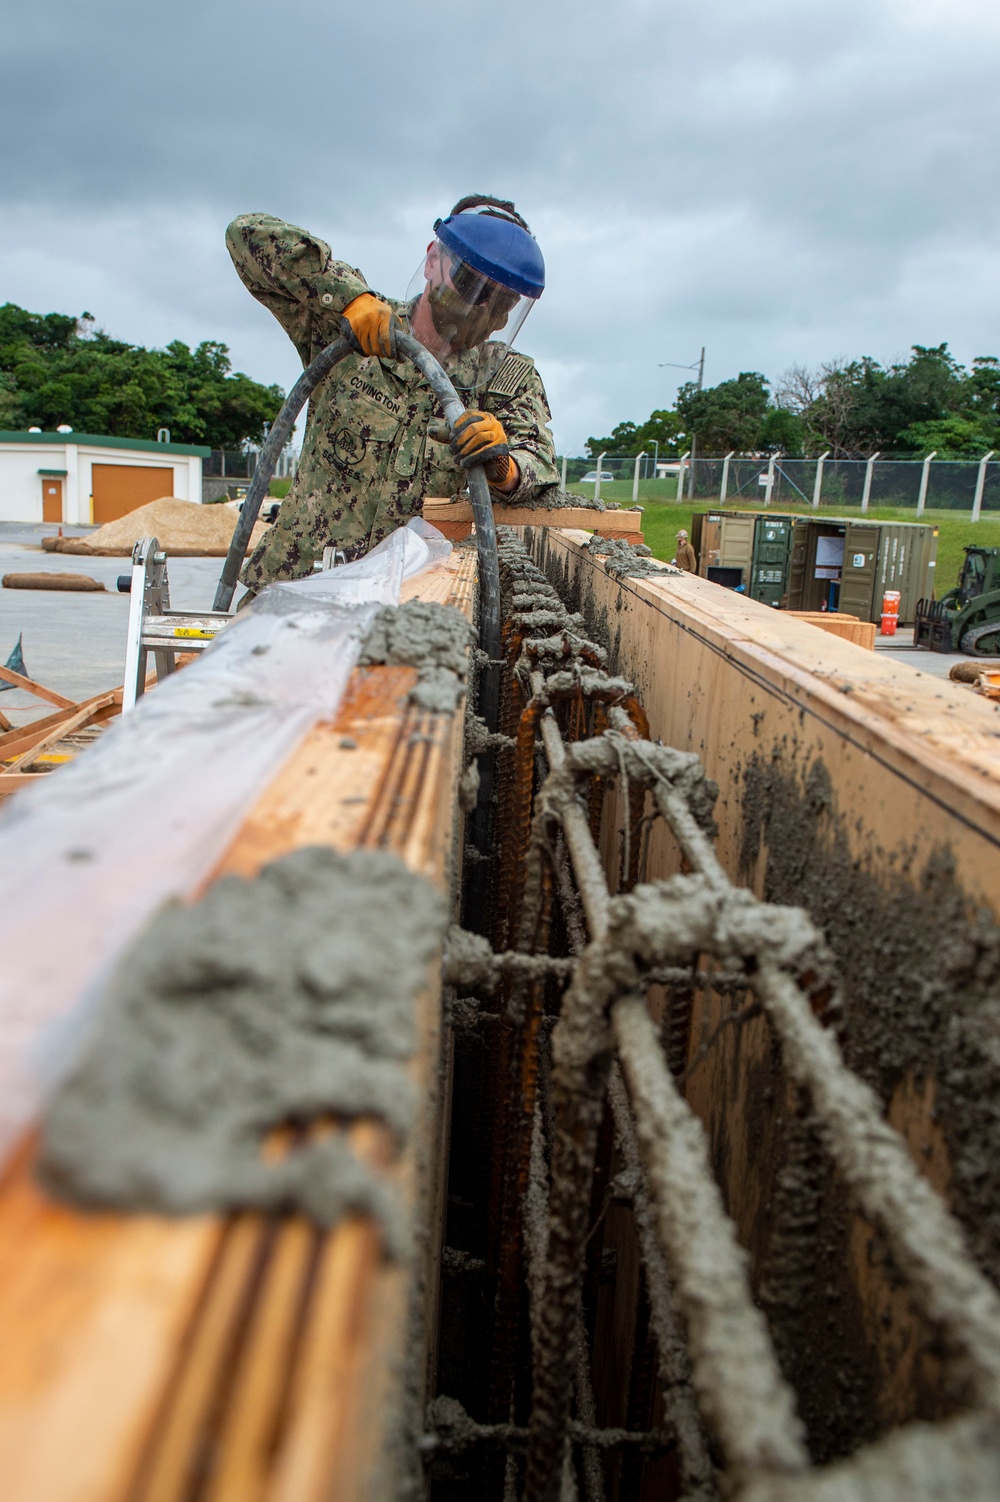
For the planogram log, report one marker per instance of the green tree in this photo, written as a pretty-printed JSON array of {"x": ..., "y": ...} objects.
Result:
[
  {"x": 859, "y": 407},
  {"x": 55, "y": 369},
  {"x": 620, "y": 443},
  {"x": 782, "y": 432},
  {"x": 953, "y": 437},
  {"x": 663, "y": 426},
  {"x": 727, "y": 416}
]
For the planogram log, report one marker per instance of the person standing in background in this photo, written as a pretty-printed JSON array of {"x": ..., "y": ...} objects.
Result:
[{"x": 686, "y": 558}]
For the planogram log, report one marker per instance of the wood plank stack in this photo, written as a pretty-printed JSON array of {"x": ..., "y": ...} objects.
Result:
[
  {"x": 454, "y": 519},
  {"x": 837, "y": 623}
]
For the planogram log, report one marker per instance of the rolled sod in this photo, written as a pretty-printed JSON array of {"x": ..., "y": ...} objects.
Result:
[{"x": 51, "y": 581}]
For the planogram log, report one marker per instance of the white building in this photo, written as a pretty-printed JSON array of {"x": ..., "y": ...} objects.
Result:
[{"x": 80, "y": 477}]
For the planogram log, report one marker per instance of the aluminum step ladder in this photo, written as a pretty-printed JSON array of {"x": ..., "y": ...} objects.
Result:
[{"x": 153, "y": 626}]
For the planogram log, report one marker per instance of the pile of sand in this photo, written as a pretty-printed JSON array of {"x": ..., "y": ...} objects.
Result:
[{"x": 183, "y": 529}]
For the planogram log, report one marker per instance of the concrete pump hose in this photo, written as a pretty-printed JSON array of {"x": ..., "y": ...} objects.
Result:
[{"x": 479, "y": 492}]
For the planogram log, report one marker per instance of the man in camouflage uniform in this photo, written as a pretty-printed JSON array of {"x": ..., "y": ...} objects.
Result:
[{"x": 376, "y": 442}]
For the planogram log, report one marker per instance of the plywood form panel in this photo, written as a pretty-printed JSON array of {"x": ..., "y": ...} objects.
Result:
[
  {"x": 901, "y": 766},
  {"x": 155, "y": 1346}
]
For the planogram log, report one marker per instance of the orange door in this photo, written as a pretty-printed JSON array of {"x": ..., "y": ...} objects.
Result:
[
  {"x": 51, "y": 499},
  {"x": 120, "y": 488}
]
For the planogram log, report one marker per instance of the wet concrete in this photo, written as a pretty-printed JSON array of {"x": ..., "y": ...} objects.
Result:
[
  {"x": 919, "y": 965},
  {"x": 920, "y": 1014},
  {"x": 280, "y": 1005},
  {"x": 435, "y": 639}
]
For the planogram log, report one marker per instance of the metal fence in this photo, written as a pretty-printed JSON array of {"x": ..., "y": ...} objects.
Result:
[
  {"x": 968, "y": 485},
  {"x": 239, "y": 464}
]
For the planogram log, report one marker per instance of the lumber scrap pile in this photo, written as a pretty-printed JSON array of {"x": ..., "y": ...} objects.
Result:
[
  {"x": 31, "y": 752},
  {"x": 245, "y": 1356}
]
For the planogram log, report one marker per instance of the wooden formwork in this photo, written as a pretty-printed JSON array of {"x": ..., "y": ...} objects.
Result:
[
  {"x": 454, "y": 519},
  {"x": 868, "y": 793},
  {"x": 245, "y": 1358}
]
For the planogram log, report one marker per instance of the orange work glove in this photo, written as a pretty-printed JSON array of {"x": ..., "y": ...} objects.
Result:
[
  {"x": 368, "y": 324},
  {"x": 479, "y": 438}
]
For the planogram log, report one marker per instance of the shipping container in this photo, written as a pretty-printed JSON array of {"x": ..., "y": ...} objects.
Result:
[
  {"x": 730, "y": 539},
  {"x": 847, "y": 565},
  {"x": 771, "y": 548},
  {"x": 757, "y": 543}
]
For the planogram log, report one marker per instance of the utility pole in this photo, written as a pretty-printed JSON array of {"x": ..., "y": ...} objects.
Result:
[
  {"x": 699, "y": 366},
  {"x": 694, "y": 436}
]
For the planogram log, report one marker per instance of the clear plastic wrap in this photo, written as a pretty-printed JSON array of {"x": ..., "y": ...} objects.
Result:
[{"x": 144, "y": 815}]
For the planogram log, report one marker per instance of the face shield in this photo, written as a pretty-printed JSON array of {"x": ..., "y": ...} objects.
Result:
[{"x": 473, "y": 291}]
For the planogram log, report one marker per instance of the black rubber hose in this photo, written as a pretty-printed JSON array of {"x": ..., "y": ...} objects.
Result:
[
  {"x": 486, "y": 537},
  {"x": 479, "y": 492},
  {"x": 281, "y": 431}
]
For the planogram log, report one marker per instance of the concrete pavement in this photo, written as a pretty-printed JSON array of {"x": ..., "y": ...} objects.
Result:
[
  {"x": 900, "y": 648},
  {"x": 75, "y": 643}
]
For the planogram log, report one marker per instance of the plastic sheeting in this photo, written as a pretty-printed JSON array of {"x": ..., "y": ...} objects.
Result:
[{"x": 151, "y": 807}]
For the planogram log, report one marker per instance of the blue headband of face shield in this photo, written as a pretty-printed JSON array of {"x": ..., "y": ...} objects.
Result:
[{"x": 497, "y": 248}]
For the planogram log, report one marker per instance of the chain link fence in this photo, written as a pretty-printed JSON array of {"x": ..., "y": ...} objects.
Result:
[{"x": 239, "y": 464}]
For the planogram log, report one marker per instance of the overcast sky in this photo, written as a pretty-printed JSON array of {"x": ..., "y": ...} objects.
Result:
[{"x": 780, "y": 180}]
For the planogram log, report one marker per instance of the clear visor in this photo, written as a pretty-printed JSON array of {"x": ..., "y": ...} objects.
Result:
[{"x": 455, "y": 310}]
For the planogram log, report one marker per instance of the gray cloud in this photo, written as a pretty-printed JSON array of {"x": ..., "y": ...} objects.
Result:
[{"x": 781, "y": 182}]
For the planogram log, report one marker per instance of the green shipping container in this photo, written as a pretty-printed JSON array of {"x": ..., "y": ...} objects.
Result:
[
  {"x": 846, "y": 564},
  {"x": 771, "y": 551}
]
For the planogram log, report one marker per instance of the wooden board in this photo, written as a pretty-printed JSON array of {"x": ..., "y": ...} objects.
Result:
[
  {"x": 17, "y": 680},
  {"x": 861, "y": 633},
  {"x": 915, "y": 758},
  {"x": 148, "y": 1359},
  {"x": 12, "y": 781},
  {"x": 454, "y": 518},
  {"x": 19, "y": 738}
]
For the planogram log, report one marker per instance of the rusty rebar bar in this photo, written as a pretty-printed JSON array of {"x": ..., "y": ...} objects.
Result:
[{"x": 520, "y": 1113}]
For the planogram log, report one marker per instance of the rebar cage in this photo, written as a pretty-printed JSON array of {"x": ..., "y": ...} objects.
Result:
[{"x": 571, "y": 1015}]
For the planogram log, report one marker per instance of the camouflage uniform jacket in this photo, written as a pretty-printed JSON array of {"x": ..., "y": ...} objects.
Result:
[{"x": 376, "y": 442}]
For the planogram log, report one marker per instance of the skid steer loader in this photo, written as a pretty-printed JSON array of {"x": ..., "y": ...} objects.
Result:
[{"x": 967, "y": 618}]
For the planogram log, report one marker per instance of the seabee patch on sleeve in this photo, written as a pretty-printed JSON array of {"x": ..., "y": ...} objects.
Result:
[{"x": 510, "y": 375}]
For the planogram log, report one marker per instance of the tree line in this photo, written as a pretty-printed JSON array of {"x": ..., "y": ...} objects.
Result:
[
  {"x": 848, "y": 408},
  {"x": 55, "y": 369}
]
